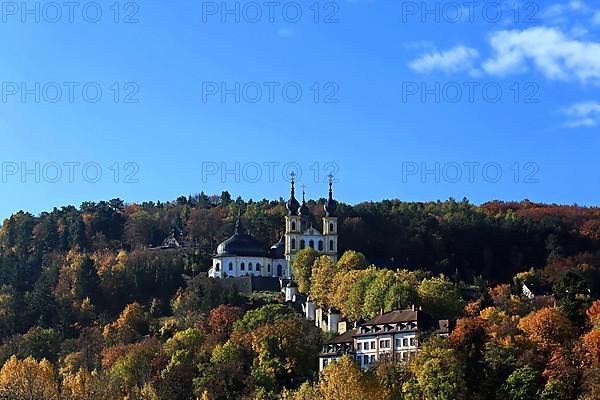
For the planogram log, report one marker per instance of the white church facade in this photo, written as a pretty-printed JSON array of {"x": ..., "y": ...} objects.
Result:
[{"x": 243, "y": 255}]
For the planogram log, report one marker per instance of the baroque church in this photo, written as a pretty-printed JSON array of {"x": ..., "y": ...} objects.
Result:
[{"x": 242, "y": 255}]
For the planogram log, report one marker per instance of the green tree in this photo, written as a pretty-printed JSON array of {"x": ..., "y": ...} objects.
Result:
[
  {"x": 436, "y": 374},
  {"x": 302, "y": 267},
  {"x": 522, "y": 384},
  {"x": 440, "y": 298},
  {"x": 321, "y": 289}
]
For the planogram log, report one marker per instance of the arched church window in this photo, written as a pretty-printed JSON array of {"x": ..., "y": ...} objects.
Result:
[
  {"x": 331, "y": 227},
  {"x": 312, "y": 244},
  {"x": 302, "y": 244},
  {"x": 293, "y": 225},
  {"x": 217, "y": 267},
  {"x": 279, "y": 270},
  {"x": 231, "y": 266},
  {"x": 249, "y": 266},
  {"x": 331, "y": 245},
  {"x": 269, "y": 268},
  {"x": 320, "y": 245},
  {"x": 243, "y": 266},
  {"x": 293, "y": 244},
  {"x": 257, "y": 267}
]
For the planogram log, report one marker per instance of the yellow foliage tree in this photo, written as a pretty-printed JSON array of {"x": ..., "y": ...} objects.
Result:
[
  {"x": 321, "y": 288},
  {"x": 344, "y": 380},
  {"x": 85, "y": 385},
  {"x": 28, "y": 379}
]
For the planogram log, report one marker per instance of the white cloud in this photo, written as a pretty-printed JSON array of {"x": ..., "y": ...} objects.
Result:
[
  {"x": 596, "y": 19},
  {"x": 548, "y": 49},
  {"x": 559, "y": 10},
  {"x": 457, "y": 59},
  {"x": 584, "y": 114}
]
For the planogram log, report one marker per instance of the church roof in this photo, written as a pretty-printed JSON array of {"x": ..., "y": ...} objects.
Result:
[
  {"x": 278, "y": 249},
  {"x": 241, "y": 244}
]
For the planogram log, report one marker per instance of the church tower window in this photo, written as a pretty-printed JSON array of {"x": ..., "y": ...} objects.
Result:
[
  {"x": 331, "y": 245},
  {"x": 331, "y": 227},
  {"x": 217, "y": 267},
  {"x": 320, "y": 245},
  {"x": 293, "y": 244},
  {"x": 293, "y": 226},
  {"x": 302, "y": 244},
  {"x": 312, "y": 244}
]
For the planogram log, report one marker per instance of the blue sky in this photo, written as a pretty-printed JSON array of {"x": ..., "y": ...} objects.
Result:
[{"x": 398, "y": 100}]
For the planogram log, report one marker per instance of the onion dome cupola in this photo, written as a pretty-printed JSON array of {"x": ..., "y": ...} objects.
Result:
[
  {"x": 330, "y": 205},
  {"x": 292, "y": 204},
  {"x": 304, "y": 210},
  {"x": 277, "y": 251},
  {"x": 241, "y": 244}
]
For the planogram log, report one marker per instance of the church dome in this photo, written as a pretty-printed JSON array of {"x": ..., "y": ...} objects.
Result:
[
  {"x": 278, "y": 249},
  {"x": 241, "y": 244}
]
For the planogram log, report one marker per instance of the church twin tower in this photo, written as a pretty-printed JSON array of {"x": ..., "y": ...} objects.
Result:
[{"x": 299, "y": 232}]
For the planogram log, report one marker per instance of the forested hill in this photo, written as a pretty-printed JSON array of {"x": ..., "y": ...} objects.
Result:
[
  {"x": 92, "y": 306},
  {"x": 494, "y": 240}
]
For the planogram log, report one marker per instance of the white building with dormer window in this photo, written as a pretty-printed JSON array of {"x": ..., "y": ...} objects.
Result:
[{"x": 242, "y": 255}]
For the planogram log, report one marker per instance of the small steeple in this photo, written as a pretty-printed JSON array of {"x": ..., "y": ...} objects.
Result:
[
  {"x": 292, "y": 204},
  {"x": 330, "y": 205},
  {"x": 239, "y": 228},
  {"x": 304, "y": 210}
]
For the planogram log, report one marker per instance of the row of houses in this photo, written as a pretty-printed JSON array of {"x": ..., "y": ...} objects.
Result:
[{"x": 388, "y": 336}]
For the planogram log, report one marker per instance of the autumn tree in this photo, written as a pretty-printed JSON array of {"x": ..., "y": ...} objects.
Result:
[
  {"x": 321, "y": 288},
  {"x": 546, "y": 328},
  {"x": 84, "y": 385},
  {"x": 302, "y": 267},
  {"x": 131, "y": 325},
  {"x": 351, "y": 260},
  {"x": 28, "y": 379},
  {"x": 344, "y": 380}
]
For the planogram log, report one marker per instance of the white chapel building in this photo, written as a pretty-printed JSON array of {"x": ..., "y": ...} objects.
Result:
[{"x": 242, "y": 255}]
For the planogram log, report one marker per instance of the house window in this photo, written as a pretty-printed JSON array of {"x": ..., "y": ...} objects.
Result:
[
  {"x": 372, "y": 359},
  {"x": 293, "y": 244},
  {"x": 320, "y": 245},
  {"x": 242, "y": 266},
  {"x": 293, "y": 225},
  {"x": 384, "y": 344},
  {"x": 331, "y": 227},
  {"x": 312, "y": 244},
  {"x": 398, "y": 343},
  {"x": 373, "y": 345},
  {"x": 325, "y": 362},
  {"x": 302, "y": 244},
  {"x": 331, "y": 245},
  {"x": 413, "y": 342},
  {"x": 231, "y": 266},
  {"x": 366, "y": 360},
  {"x": 359, "y": 346}
]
